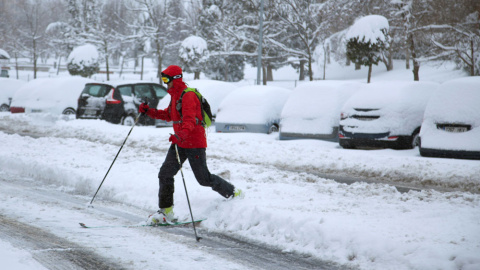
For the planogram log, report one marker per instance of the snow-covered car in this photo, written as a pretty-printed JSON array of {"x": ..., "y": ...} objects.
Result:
[
  {"x": 214, "y": 91},
  {"x": 312, "y": 110},
  {"x": 252, "y": 109},
  {"x": 451, "y": 124},
  {"x": 385, "y": 114},
  {"x": 49, "y": 95},
  {"x": 8, "y": 87},
  {"x": 118, "y": 101}
]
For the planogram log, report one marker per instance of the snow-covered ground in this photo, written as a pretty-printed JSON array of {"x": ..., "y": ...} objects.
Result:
[
  {"x": 371, "y": 226},
  {"x": 287, "y": 205}
]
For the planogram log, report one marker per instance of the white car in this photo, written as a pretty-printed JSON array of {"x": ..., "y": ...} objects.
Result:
[
  {"x": 214, "y": 91},
  {"x": 252, "y": 109},
  {"x": 451, "y": 124},
  {"x": 385, "y": 114},
  {"x": 8, "y": 87},
  {"x": 312, "y": 110},
  {"x": 49, "y": 95}
]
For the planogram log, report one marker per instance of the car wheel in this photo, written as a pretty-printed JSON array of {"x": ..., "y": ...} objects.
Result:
[
  {"x": 273, "y": 128},
  {"x": 128, "y": 120},
  {"x": 346, "y": 145},
  {"x": 4, "y": 108},
  {"x": 69, "y": 111}
]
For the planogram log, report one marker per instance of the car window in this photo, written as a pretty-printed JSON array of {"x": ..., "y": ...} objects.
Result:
[
  {"x": 126, "y": 90},
  {"x": 161, "y": 92},
  {"x": 143, "y": 91},
  {"x": 95, "y": 90}
]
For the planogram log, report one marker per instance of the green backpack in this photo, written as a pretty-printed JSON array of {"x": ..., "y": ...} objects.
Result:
[{"x": 206, "y": 111}]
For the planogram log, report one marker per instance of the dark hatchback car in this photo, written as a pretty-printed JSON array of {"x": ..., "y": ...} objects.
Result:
[{"x": 117, "y": 102}]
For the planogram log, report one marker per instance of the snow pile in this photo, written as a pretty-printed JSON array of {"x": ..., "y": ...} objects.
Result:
[{"x": 369, "y": 29}]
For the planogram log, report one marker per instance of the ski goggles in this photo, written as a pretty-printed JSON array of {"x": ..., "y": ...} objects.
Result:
[{"x": 166, "y": 79}]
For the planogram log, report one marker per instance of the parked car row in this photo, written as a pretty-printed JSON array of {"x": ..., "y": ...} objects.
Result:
[{"x": 442, "y": 119}]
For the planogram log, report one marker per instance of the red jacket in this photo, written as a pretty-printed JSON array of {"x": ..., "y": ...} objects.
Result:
[{"x": 193, "y": 134}]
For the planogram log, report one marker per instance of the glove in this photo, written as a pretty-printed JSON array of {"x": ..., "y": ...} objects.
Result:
[
  {"x": 143, "y": 108},
  {"x": 175, "y": 139}
]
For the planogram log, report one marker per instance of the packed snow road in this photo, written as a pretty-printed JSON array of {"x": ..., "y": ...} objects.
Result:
[
  {"x": 288, "y": 206},
  {"x": 44, "y": 222}
]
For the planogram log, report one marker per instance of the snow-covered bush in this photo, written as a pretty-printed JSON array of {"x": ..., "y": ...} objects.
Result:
[
  {"x": 193, "y": 54},
  {"x": 83, "y": 61},
  {"x": 367, "y": 39}
]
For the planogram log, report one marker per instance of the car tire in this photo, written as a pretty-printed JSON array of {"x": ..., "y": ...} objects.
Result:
[
  {"x": 410, "y": 142},
  {"x": 4, "y": 108},
  {"x": 273, "y": 128},
  {"x": 69, "y": 111},
  {"x": 346, "y": 145},
  {"x": 128, "y": 120}
]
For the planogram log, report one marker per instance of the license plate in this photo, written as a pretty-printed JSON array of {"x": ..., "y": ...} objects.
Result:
[
  {"x": 236, "y": 128},
  {"x": 456, "y": 129}
]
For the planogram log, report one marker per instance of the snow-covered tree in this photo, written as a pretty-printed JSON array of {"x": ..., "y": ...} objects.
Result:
[
  {"x": 305, "y": 25},
  {"x": 159, "y": 22},
  {"x": 219, "y": 25},
  {"x": 367, "y": 40},
  {"x": 193, "y": 54},
  {"x": 83, "y": 61}
]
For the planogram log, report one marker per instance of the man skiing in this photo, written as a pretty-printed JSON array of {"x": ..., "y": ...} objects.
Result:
[{"x": 190, "y": 137}]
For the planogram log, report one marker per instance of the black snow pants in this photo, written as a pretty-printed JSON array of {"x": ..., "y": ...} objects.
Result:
[{"x": 198, "y": 162}]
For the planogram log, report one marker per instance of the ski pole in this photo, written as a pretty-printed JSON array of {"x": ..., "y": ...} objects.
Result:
[
  {"x": 136, "y": 120},
  {"x": 188, "y": 200}
]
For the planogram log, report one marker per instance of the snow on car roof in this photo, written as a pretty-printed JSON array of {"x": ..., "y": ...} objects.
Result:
[
  {"x": 398, "y": 94},
  {"x": 462, "y": 99},
  {"x": 314, "y": 107},
  {"x": 253, "y": 104}
]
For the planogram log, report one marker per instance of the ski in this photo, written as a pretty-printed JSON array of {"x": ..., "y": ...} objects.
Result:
[{"x": 83, "y": 225}]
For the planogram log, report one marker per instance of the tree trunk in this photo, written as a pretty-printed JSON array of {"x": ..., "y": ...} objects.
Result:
[
  {"x": 472, "y": 67},
  {"x": 407, "y": 58},
  {"x": 369, "y": 73},
  {"x": 59, "y": 63},
  {"x": 226, "y": 69},
  {"x": 264, "y": 73},
  {"x": 416, "y": 64},
  {"x": 107, "y": 66},
  {"x": 358, "y": 66},
  {"x": 302, "y": 70},
  {"x": 197, "y": 75},
  {"x": 269, "y": 73},
  {"x": 310, "y": 71},
  {"x": 348, "y": 62},
  {"x": 141, "y": 71},
  {"x": 34, "y": 59}
]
